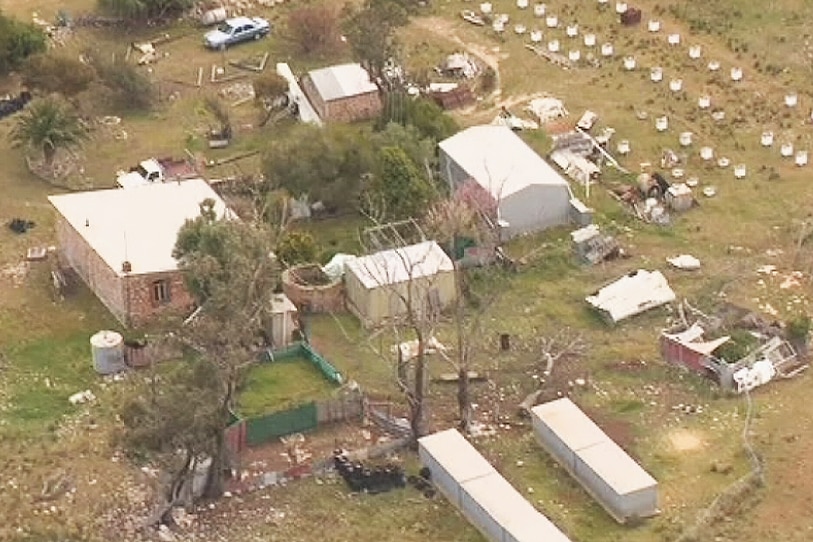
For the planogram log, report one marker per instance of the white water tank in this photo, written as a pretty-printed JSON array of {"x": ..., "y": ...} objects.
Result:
[{"x": 107, "y": 348}]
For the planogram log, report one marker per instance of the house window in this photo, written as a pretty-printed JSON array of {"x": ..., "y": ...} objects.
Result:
[{"x": 160, "y": 292}]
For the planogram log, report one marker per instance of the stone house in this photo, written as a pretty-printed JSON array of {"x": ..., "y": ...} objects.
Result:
[
  {"x": 120, "y": 243},
  {"x": 342, "y": 93}
]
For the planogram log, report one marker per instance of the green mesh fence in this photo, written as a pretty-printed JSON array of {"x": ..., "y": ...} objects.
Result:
[{"x": 278, "y": 424}]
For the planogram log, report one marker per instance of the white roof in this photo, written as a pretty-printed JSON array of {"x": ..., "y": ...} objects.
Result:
[
  {"x": 499, "y": 160},
  {"x": 569, "y": 423},
  {"x": 400, "y": 265},
  {"x": 616, "y": 468},
  {"x": 632, "y": 294},
  {"x": 597, "y": 450},
  {"x": 460, "y": 459},
  {"x": 131, "y": 179},
  {"x": 139, "y": 226},
  {"x": 342, "y": 81},
  {"x": 511, "y": 510}
]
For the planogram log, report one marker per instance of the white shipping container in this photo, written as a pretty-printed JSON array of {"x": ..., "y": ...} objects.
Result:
[
  {"x": 605, "y": 471},
  {"x": 482, "y": 495}
]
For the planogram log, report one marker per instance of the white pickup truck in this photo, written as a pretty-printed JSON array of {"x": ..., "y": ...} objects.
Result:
[{"x": 156, "y": 170}]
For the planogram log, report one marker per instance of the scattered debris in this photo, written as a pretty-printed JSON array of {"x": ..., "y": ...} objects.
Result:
[
  {"x": 472, "y": 17},
  {"x": 546, "y": 109},
  {"x": 593, "y": 247},
  {"x": 451, "y": 95},
  {"x": 632, "y": 294},
  {"x": 82, "y": 397},
  {"x": 254, "y": 63},
  {"x": 459, "y": 65},
  {"x": 508, "y": 119},
  {"x": 36, "y": 254},
  {"x": 587, "y": 121},
  {"x": 685, "y": 262},
  {"x": 10, "y": 105},
  {"x": 576, "y": 166},
  {"x": 372, "y": 480},
  {"x": 218, "y": 75},
  {"x": 409, "y": 349},
  {"x": 554, "y": 58},
  {"x": 473, "y": 376},
  {"x": 20, "y": 225}
]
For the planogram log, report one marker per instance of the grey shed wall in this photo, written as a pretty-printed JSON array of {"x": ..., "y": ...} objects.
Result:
[
  {"x": 536, "y": 208},
  {"x": 451, "y": 171},
  {"x": 532, "y": 209},
  {"x": 603, "y": 469}
]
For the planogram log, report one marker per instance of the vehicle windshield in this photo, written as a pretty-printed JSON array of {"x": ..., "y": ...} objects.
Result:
[
  {"x": 225, "y": 28},
  {"x": 141, "y": 171}
]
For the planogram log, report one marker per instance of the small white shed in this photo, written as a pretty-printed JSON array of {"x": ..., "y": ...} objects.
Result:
[
  {"x": 380, "y": 286},
  {"x": 603, "y": 469}
]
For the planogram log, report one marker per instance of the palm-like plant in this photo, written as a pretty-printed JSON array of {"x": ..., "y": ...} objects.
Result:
[{"x": 48, "y": 125}]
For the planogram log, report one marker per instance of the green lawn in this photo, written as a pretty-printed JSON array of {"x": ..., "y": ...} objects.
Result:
[{"x": 270, "y": 387}]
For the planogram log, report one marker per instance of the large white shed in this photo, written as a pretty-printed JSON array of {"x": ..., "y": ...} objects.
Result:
[
  {"x": 483, "y": 496},
  {"x": 606, "y": 471},
  {"x": 379, "y": 286},
  {"x": 530, "y": 194}
]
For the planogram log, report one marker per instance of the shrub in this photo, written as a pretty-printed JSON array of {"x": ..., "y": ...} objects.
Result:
[
  {"x": 18, "y": 41},
  {"x": 798, "y": 329},
  {"x": 296, "y": 247},
  {"x": 52, "y": 73},
  {"x": 145, "y": 9},
  {"x": 129, "y": 88},
  {"x": 315, "y": 30}
]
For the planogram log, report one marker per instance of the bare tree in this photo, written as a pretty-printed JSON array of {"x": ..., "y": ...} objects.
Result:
[
  {"x": 553, "y": 350},
  {"x": 408, "y": 276},
  {"x": 466, "y": 216}
]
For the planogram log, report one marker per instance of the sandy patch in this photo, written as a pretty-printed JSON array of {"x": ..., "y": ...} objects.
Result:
[{"x": 685, "y": 440}]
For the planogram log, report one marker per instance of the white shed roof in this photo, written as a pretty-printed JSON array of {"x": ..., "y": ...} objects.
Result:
[
  {"x": 632, "y": 294},
  {"x": 457, "y": 455},
  {"x": 516, "y": 515},
  {"x": 593, "y": 446},
  {"x": 616, "y": 468},
  {"x": 569, "y": 423},
  {"x": 139, "y": 226},
  {"x": 342, "y": 81},
  {"x": 499, "y": 160},
  {"x": 400, "y": 265}
]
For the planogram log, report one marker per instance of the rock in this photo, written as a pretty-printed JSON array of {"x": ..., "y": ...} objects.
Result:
[
  {"x": 165, "y": 535},
  {"x": 721, "y": 467},
  {"x": 520, "y": 463}
]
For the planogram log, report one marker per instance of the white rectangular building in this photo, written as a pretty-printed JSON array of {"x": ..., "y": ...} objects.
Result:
[
  {"x": 605, "y": 470},
  {"x": 487, "y": 500}
]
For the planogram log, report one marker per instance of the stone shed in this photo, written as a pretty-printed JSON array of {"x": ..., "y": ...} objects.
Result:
[{"x": 342, "y": 93}]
